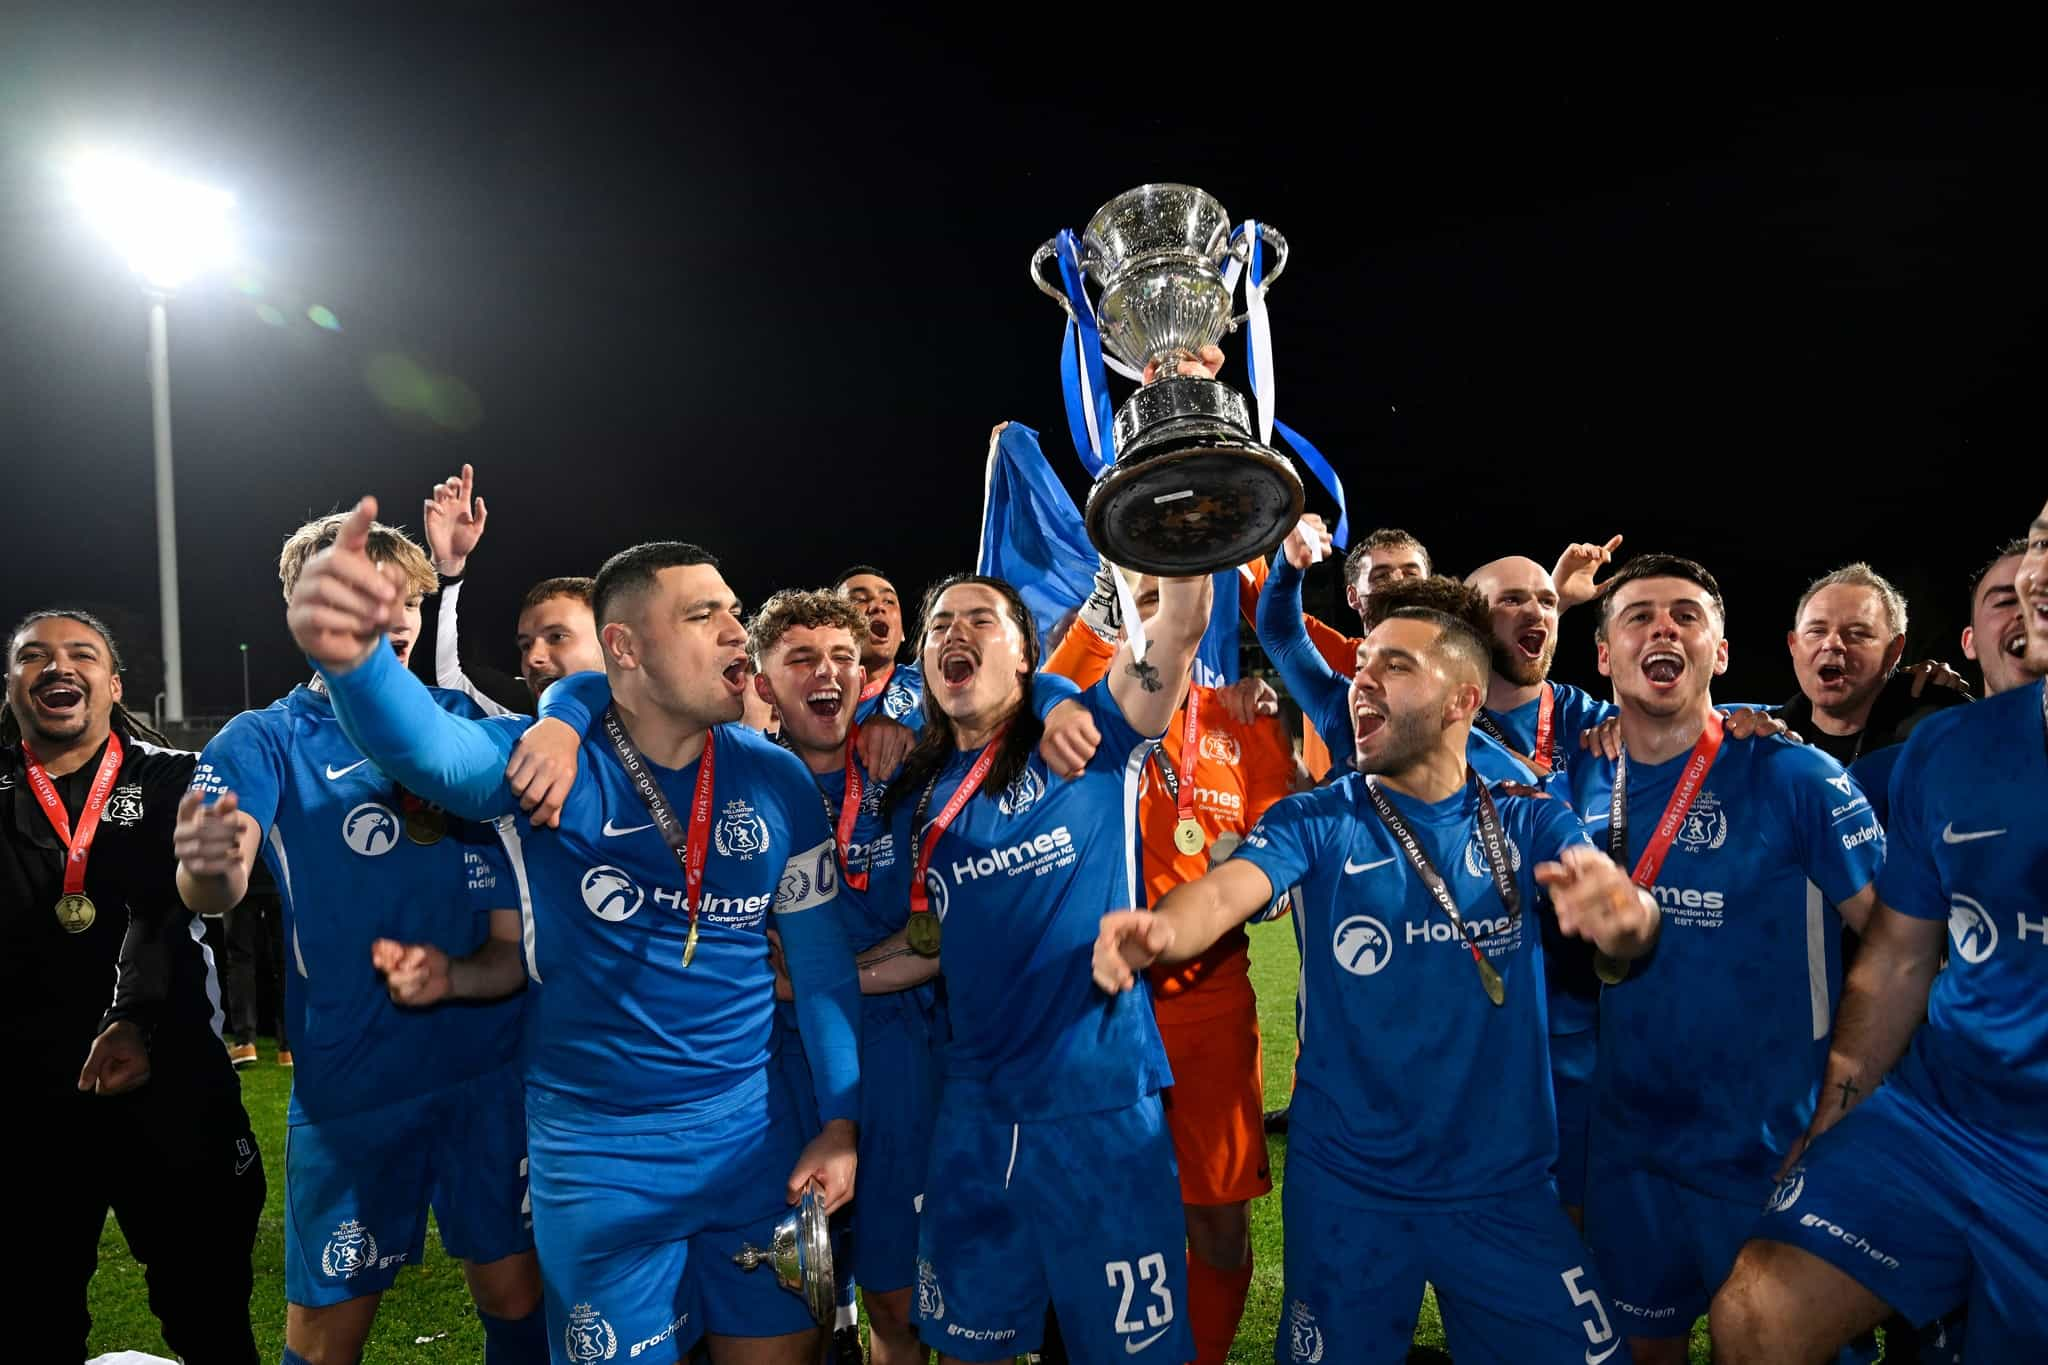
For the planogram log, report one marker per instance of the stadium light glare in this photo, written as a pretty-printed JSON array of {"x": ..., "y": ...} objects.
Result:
[{"x": 169, "y": 230}]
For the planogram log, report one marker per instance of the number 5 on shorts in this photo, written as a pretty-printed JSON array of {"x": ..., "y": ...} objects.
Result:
[
  {"x": 1153, "y": 1270},
  {"x": 1583, "y": 1297}
]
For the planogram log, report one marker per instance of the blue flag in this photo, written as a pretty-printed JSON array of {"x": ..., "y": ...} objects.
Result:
[{"x": 1033, "y": 537}]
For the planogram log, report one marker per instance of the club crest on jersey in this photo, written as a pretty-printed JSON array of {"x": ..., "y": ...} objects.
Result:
[
  {"x": 1221, "y": 748},
  {"x": 1475, "y": 856},
  {"x": 931, "y": 1304},
  {"x": 611, "y": 895},
  {"x": 1362, "y": 945},
  {"x": 871, "y": 799},
  {"x": 1304, "y": 1337},
  {"x": 740, "y": 833},
  {"x": 898, "y": 701},
  {"x": 1022, "y": 793},
  {"x": 370, "y": 829},
  {"x": 124, "y": 807},
  {"x": 1971, "y": 928},
  {"x": 350, "y": 1250},
  {"x": 1705, "y": 827},
  {"x": 1787, "y": 1191},
  {"x": 588, "y": 1336}
]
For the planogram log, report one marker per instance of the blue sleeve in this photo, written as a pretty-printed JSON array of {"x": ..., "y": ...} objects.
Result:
[
  {"x": 1119, "y": 736},
  {"x": 1873, "y": 773},
  {"x": 243, "y": 759},
  {"x": 1840, "y": 843},
  {"x": 822, "y": 974},
  {"x": 1048, "y": 690},
  {"x": 1557, "y": 828},
  {"x": 392, "y": 719},
  {"x": 1290, "y": 837},
  {"x": 487, "y": 875},
  {"x": 576, "y": 700},
  {"x": 1911, "y": 883},
  {"x": 1317, "y": 688}
]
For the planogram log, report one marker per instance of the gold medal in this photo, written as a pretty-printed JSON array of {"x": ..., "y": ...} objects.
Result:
[
  {"x": 690, "y": 943},
  {"x": 922, "y": 933},
  {"x": 76, "y": 913},
  {"x": 426, "y": 824},
  {"x": 1611, "y": 970},
  {"x": 1496, "y": 989},
  {"x": 1187, "y": 837}
]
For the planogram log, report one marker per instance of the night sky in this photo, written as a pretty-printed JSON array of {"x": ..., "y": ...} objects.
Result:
[{"x": 766, "y": 290}]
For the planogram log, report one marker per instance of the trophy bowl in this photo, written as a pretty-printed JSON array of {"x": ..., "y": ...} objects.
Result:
[
  {"x": 800, "y": 1254},
  {"x": 1192, "y": 489}
]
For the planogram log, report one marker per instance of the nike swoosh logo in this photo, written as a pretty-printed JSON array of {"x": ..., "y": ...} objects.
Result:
[
  {"x": 1949, "y": 835},
  {"x": 1131, "y": 1348},
  {"x": 1592, "y": 1359},
  {"x": 334, "y": 772},
  {"x": 1350, "y": 866},
  {"x": 613, "y": 833},
  {"x": 245, "y": 1163}
]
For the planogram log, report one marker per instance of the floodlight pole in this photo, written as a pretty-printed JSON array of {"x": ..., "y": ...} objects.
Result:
[{"x": 166, "y": 507}]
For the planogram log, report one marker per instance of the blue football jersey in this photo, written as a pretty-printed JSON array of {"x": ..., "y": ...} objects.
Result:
[
  {"x": 334, "y": 837},
  {"x": 1412, "y": 1085},
  {"x": 619, "y": 1023},
  {"x": 1873, "y": 774},
  {"x": 1573, "y": 712},
  {"x": 901, "y": 698},
  {"x": 1968, "y": 846},
  {"x": 1020, "y": 881},
  {"x": 874, "y": 913},
  {"x": 1711, "y": 1050}
]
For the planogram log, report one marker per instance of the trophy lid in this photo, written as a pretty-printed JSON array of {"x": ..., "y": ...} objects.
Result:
[{"x": 1154, "y": 220}]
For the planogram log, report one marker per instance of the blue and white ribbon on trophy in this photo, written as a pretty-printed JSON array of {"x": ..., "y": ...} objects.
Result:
[{"x": 1260, "y": 363}]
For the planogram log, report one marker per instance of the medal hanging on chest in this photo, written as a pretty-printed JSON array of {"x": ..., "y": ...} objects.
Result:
[
  {"x": 1612, "y": 970},
  {"x": 922, "y": 931},
  {"x": 75, "y": 910},
  {"x": 689, "y": 850},
  {"x": 1492, "y": 842}
]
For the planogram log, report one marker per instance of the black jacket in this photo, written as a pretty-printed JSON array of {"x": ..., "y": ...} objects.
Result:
[
  {"x": 143, "y": 957},
  {"x": 1892, "y": 716}
]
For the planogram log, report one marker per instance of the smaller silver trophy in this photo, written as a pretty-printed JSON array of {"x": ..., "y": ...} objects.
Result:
[
  {"x": 1192, "y": 489},
  {"x": 801, "y": 1256}
]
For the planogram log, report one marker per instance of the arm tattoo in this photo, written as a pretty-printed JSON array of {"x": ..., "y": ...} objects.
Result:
[
  {"x": 1147, "y": 676},
  {"x": 869, "y": 963},
  {"x": 1849, "y": 1091}
]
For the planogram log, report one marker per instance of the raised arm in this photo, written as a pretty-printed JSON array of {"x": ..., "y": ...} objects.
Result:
[
  {"x": 1147, "y": 690},
  {"x": 1186, "y": 923},
  {"x": 1320, "y": 691},
  {"x": 339, "y": 612}
]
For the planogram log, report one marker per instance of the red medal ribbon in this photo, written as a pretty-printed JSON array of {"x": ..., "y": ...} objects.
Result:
[
  {"x": 1190, "y": 745},
  {"x": 78, "y": 846},
  {"x": 1682, "y": 796},
  {"x": 849, "y": 814},
  {"x": 969, "y": 785},
  {"x": 874, "y": 687},
  {"x": 1545, "y": 737},
  {"x": 700, "y": 829}
]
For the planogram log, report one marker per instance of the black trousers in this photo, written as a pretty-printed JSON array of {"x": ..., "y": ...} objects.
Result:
[
  {"x": 253, "y": 953},
  {"x": 187, "y": 1202}
]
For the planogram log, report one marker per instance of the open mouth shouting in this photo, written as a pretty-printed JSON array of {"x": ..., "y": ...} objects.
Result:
[
  {"x": 958, "y": 665},
  {"x": 1832, "y": 676},
  {"x": 734, "y": 675},
  {"x": 59, "y": 700},
  {"x": 1662, "y": 668},
  {"x": 1529, "y": 644},
  {"x": 1367, "y": 719},
  {"x": 825, "y": 701}
]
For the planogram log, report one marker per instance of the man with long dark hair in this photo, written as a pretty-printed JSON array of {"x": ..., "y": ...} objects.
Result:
[
  {"x": 1044, "y": 1079},
  {"x": 152, "y": 1126}
]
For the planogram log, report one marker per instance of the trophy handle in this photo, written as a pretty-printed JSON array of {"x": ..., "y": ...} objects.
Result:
[
  {"x": 1053, "y": 290},
  {"x": 1242, "y": 249}
]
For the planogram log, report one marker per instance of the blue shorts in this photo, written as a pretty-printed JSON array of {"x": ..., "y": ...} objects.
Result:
[
  {"x": 1082, "y": 1213},
  {"x": 1928, "y": 1214},
  {"x": 1572, "y": 1056},
  {"x": 898, "y": 1096},
  {"x": 1513, "y": 1281},
  {"x": 357, "y": 1188},
  {"x": 637, "y": 1230},
  {"x": 1663, "y": 1247}
]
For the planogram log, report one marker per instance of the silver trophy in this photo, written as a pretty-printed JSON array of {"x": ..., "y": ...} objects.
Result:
[
  {"x": 1192, "y": 490},
  {"x": 801, "y": 1255}
]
